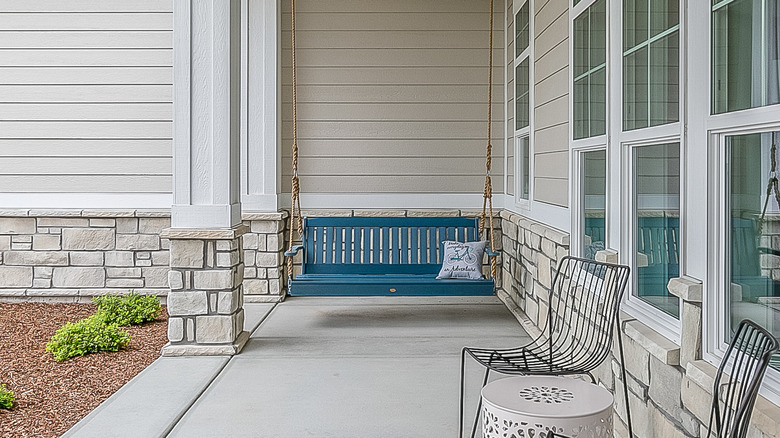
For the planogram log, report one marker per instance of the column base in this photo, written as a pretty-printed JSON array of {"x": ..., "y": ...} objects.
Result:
[{"x": 206, "y": 350}]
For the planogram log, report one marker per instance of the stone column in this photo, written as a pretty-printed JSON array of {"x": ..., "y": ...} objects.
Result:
[
  {"x": 206, "y": 299},
  {"x": 207, "y": 269}
]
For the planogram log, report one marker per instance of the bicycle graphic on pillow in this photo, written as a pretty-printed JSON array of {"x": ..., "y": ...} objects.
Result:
[{"x": 467, "y": 256}]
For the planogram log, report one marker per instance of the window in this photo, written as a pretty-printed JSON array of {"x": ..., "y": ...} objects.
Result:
[
  {"x": 745, "y": 54},
  {"x": 594, "y": 187},
  {"x": 522, "y": 64},
  {"x": 651, "y": 73},
  {"x": 656, "y": 223},
  {"x": 590, "y": 71},
  {"x": 753, "y": 277}
]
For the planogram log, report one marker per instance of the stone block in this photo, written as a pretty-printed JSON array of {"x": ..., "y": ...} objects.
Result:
[
  {"x": 175, "y": 280},
  {"x": 43, "y": 271},
  {"x": 5, "y": 243},
  {"x": 256, "y": 287},
  {"x": 690, "y": 339},
  {"x": 17, "y": 225},
  {"x": 213, "y": 280},
  {"x": 214, "y": 329},
  {"x": 143, "y": 263},
  {"x": 274, "y": 287},
  {"x": 102, "y": 223},
  {"x": 274, "y": 242},
  {"x": 250, "y": 272},
  {"x": 161, "y": 258},
  {"x": 137, "y": 242},
  {"x": 227, "y": 245},
  {"x": 46, "y": 242},
  {"x": 175, "y": 329},
  {"x": 544, "y": 270},
  {"x": 665, "y": 386},
  {"x": 88, "y": 239},
  {"x": 228, "y": 302},
  {"x": 153, "y": 225},
  {"x": 119, "y": 258},
  {"x": 637, "y": 361},
  {"x": 549, "y": 248},
  {"x": 696, "y": 400},
  {"x": 36, "y": 258},
  {"x": 123, "y": 272},
  {"x": 250, "y": 240},
  {"x": 187, "y": 254},
  {"x": 188, "y": 303},
  {"x": 16, "y": 276},
  {"x": 86, "y": 258},
  {"x": 268, "y": 260},
  {"x": 127, "y": 225},
  {"x": 266, "y": 227},
  {"x": 79, "y": 277},
  {"x": 274, "y": 273},
  {"x": 227, "y": 259},
  {"x": 125, "y": 283},
  {"x": 143, "y": 255},
  {"x": 155, "y": 276},
  {"x": 661, "y": 426},
  {"x": 640, "y": 416}
]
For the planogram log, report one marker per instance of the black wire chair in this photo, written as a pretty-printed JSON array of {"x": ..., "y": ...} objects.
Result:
[
  {"x": 577, "y": 335},
  {"x": 747, "y": 358}
]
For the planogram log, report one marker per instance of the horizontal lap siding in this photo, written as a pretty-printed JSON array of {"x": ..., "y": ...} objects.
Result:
[
  {"x": 392, "y": 96},
  {"x": 86, "y": 96},
  {"x": 551, "y": 103}
]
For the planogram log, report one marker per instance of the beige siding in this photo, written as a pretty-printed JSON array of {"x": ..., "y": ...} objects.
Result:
[
  {"x": 551, "y": 102},
  {"x": 392, "y": 96},
  {"x": 86, "y": 96}
]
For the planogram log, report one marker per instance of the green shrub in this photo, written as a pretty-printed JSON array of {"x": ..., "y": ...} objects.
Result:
[
  {"x": 6, "y": 398},
  {"x": 90, "y": 335},
  {"x": 129, "y": 309}
]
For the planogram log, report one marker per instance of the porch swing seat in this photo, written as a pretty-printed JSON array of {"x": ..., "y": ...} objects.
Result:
[{"x": 349, "y": 256}]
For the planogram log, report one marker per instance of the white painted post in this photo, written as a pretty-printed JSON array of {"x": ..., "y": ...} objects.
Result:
[{"x": 207, "y": 269}]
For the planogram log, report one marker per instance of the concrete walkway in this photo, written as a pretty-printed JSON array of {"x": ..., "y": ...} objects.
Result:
[{"x": 318, "y": 367}]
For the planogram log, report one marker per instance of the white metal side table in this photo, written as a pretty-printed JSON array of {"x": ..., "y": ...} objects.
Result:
[{"x": 532, "y": 406}]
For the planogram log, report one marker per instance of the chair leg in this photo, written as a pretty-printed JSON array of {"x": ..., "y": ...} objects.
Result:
[
  {"x": 479, "y": 404},
  {"x": 462, "y": 388},
  {"x": 625, "y": 381}
]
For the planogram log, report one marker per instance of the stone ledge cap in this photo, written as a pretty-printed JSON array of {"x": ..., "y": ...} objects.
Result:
[
  {"x": 701, "y": 373},
  {"x": 658, "y": 346},
  {"x": 607, "y": 256},
  {"x": 205, "y": 234},
  {"x": 206, "y": 349},
  {"x": 264, "y": 215},
  {"x": 688, "y": 289}
]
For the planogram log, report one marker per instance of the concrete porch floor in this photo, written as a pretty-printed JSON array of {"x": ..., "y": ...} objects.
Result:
[{"x": 319, "y": 367}]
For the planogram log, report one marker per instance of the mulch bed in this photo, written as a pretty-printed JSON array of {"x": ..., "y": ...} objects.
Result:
[{"x": 53, "y": 396}]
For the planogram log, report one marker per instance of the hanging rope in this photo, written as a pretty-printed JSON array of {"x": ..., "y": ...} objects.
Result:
[
  {"x": 772, "y": 184},
  {"x": 487, "y": 197},
  {"x": 296, "y": 221}
]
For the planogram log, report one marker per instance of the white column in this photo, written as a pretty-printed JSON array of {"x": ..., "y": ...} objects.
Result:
[
  {"x": 207, "y": 86},
  {"x": 260, "y": 104}
]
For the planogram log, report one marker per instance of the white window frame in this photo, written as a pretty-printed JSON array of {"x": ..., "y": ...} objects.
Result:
[
  {"x": 519, "y": 201},
  {"x": 587, "y": 144},
  {"x": 620, "y": 208}
]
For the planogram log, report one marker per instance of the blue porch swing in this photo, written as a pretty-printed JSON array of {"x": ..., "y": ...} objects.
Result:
[{"x": 350, "y": 256}]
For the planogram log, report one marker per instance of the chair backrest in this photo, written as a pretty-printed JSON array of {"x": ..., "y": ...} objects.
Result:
[
  {"x": 734, "y": 394},
  {"x": 584, "y": 303}
]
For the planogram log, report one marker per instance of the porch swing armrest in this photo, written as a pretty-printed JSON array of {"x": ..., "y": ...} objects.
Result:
[
  {"x": 293, "y": 251},
  {"x": 765, "y": 250},
  {"x": 491, "y": 253}
]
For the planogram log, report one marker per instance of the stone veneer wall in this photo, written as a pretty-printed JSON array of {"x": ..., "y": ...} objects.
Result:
[
  {"x": 73, "y": 255},
  {"x": 670, "y": 385}
]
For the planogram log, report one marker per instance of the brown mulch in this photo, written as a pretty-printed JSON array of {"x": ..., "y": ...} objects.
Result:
[{"x": 53, "y": 396}]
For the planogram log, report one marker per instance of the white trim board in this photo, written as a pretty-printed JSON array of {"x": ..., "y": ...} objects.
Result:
[{"x": 75, "y": 201}]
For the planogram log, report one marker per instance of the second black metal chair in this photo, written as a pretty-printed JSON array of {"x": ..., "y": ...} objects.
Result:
[
  {"x": 734, "y": 395},
  {"x": 576, "y": 338}
]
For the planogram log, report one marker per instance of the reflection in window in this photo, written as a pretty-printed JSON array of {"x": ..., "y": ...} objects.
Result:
[
  {"x": 522, "y": 22},
  {"x": 651, "y": 64},
  {"x": 590, "y": 71},
  {"x": 754, "y": 237},
  {"x": 524, "y": 150},
  {"x": 594, "y": 184},
  {"x": 657, "y": 224},
  {"x": 745, "y": 54},
  {"x": 522, "y": 96}
]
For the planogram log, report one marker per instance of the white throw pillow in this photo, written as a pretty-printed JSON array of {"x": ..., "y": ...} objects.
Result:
[{"x": 462, "y": 260}]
